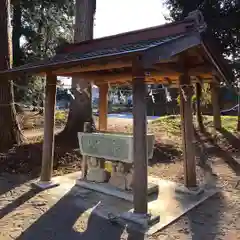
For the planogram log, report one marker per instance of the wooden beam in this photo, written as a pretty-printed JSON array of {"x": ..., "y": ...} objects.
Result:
[
  {"x": 198, "y": 106},
  {"x": 49, "y": 120},
  {"x": 187, "y": 131},
  {"x": 140, "y": 177},
  {"x": 124, "y": 77},
  {"x": 162, "y": 69},
  {"x": 165, "y": 81},
  {"x": 177, "y": 68},
  {"x": 216, "y": 105},
  {"x": 198, "y": 79},
  {"x": 103, "y": 106},
  {"x": 94, "y": 67},
  {"x": 169, "y": 81}
]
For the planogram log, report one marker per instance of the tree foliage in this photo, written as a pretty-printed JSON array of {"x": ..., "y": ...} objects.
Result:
[
  {"x": 10, "y": 133},
  {"x": 222, "y": 18},
  {"x": 39, "y": 27},
  {"x": 45, "y": 25}
]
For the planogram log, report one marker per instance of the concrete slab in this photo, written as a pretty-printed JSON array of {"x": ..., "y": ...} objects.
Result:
[
  {"x": 142, "y": 220},
  {"x": 169, "y": 204},
  {"x": 45, "y": 185},
  {"x": 237, "y": 160},
  {"x": 172, "y": 203},
  {"x": 106, "y": 188}
]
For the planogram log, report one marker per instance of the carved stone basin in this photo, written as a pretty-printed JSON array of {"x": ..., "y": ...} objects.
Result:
[
  {"x": 111, "y": 146},
  {"x": 115, "y": 147}
]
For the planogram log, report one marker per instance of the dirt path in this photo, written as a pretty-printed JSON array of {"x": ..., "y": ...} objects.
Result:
[
  {"x": 27, "y": 215},
  {"x": 37, "y": 132},
  {"x": 218, "y": 218},
  {"x": 112, "y": 123}
]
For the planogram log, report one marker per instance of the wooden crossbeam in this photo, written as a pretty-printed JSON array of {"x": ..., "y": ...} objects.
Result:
[
  {"x": 126, "y": 76},
  {"x": 93, "y": 67}
]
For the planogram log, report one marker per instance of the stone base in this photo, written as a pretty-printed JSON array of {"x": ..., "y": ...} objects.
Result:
[
  {"x": 169, "y": 205},
  {"x": 144, "y": 220},
  {"x": 118, "y": 180},
  {"x": 238, "y": 185},
  {"x": 191, "y": 191},
  {"x": 45, "y": 185},
  {"x": 97, "y": 175},
  {"x": 108, "y": 189}
]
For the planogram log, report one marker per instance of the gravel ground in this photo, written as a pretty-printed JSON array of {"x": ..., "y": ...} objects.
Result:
[
  {"x": 218, "y": 218},
  {"x": 26, "y": 214}
]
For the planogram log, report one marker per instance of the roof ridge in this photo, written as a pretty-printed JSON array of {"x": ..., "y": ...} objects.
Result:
[
  {"x": 195, "y": 17},
  {"x": 190, "y": 21}
]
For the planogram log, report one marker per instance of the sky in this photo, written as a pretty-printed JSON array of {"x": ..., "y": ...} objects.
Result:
[{"x": 114, "y": 16}]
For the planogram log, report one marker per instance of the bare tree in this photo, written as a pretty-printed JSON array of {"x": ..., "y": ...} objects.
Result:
[
  {"x": 80, "y": 107},
  {"x": 10, "y": 132}
]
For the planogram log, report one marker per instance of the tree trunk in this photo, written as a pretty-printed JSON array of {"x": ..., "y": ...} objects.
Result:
[
  {"x": 17, "y": 32},
  {"x": 238, "y": 121},
  {"x": 80, "y": 110},
  {"x": 10, "y": 132},
  {"x": 198, "y": 106},
  {"x": 18, "y": 57}
]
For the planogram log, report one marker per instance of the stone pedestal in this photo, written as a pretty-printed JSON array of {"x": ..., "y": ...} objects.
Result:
[
  {"x": 121, "y": 176},
  {"x": 96, "y": 173},
  {"x": 118, "y": 180}
]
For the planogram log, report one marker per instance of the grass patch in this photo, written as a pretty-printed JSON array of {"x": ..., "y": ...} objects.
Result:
[
  {"x": 230, "y": 123},
  {"x": 61, "y": 116},
  {"x": 32, "y": 120},
  {"x": 172, "y": 123}
]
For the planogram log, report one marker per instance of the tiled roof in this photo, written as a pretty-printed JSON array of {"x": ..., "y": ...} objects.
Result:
[
  {"x": 161, "y": 42},
  {"x": 125, "y": 48},
  {"x": 130, "y": 42},
  {"x": 113, "y": 51}
]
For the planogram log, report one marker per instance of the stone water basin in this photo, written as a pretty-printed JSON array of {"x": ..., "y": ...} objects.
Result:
[{"x": 111, "y": 146}]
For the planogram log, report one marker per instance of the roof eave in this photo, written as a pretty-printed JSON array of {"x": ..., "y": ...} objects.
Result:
[
  {"x": 169, "y": 49},
  {"x": 37, "y": 70},
  {"x": 221, "y": 67}
]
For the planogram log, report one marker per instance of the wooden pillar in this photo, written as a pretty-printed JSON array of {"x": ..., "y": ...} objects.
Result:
[
  {"x": 215, "y": 105},
  {"x": 198, "y": 106},
  {"x": 103, "y": 106},
  {"x": 140, "y": 177},
  {"x": 48, "y": 142},
  {"x": 187, "y": 131},
  {"x": 84, "y": 166},
  {"x": 238, "y": 121}
]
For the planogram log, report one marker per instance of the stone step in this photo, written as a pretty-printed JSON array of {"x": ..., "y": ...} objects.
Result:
[{"x": 108, "y": 189}]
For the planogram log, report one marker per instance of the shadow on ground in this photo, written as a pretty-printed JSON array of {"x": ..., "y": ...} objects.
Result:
[
  {"x": 205, "y": 224},
  {"x": 164, "y": 153},
  {"x": 212, "y": 148},
  {"x": 232, "y": 140},
  {"x": 27, "y": 159},
  {"x": 61, "y": 222},
  {"x": 11, "y": 181},
  {"x": 203, "y": 221},
  {"x": 18, "y": 202}
]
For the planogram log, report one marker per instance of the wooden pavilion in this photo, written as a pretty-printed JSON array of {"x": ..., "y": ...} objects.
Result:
[{"x": 178, "y": 54}]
